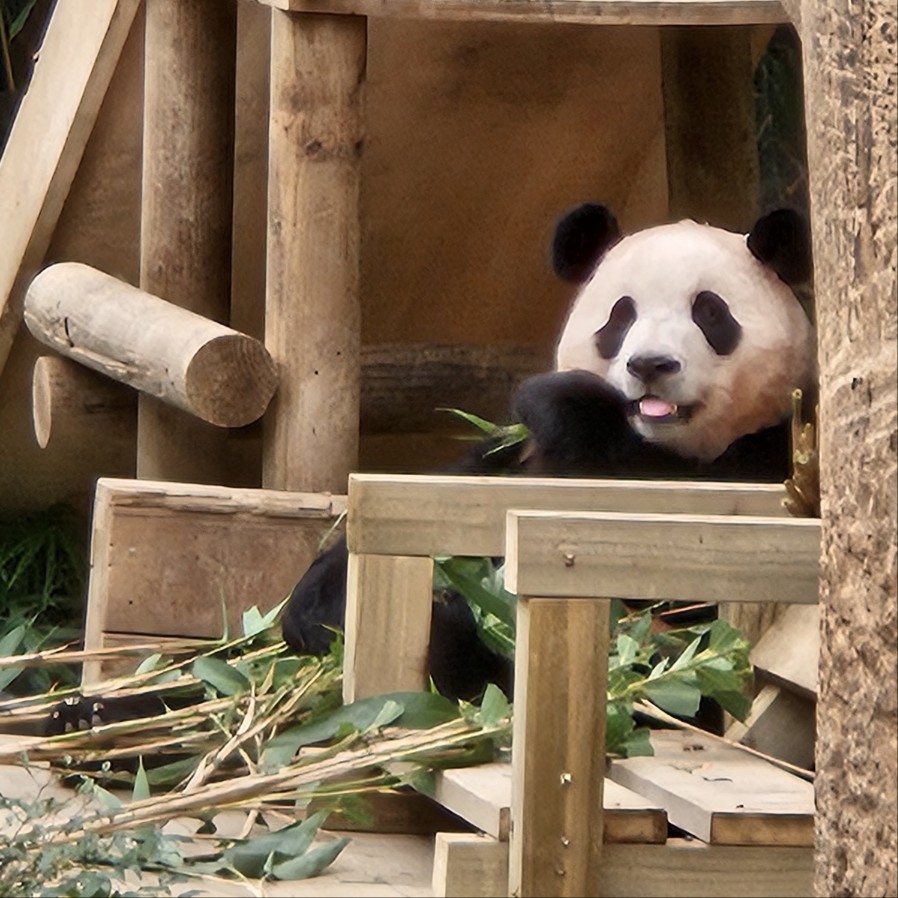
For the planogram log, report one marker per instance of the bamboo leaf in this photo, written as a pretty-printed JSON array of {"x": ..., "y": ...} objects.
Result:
[
  {"x": 311, "y": 863},
  {"x": 674, "y": 695},
  {"x": 218, "y": 674},
  {"x": 141, "y": 788}
]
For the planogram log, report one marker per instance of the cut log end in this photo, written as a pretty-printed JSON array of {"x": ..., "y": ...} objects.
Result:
[{"x": 230, "y": 381}]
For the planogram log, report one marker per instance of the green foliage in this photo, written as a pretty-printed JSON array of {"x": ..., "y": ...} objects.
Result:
[{"x": 42, "y": 568}]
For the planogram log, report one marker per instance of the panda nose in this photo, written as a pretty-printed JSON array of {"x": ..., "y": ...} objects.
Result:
[{"x": 650, "y": 367}]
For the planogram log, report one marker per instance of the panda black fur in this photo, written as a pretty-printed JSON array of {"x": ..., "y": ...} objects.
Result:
[{"x": 678, "y": 359}]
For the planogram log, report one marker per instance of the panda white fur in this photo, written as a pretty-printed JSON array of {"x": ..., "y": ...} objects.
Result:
[
  {"x": 695, "y": 326},
  {"x": 678, "y": 359}
]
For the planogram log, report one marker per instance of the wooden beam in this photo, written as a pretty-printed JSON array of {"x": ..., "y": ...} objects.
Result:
[
  {"x": 717, "y": 558},
  {"x": 719, "y": 794},
  {"x": 312, "y": 307},
  {"x": 185, "y": 228},
  {"x": 558, "y": 747},
  {"x": 448, "y": 515},
  {"x": 388, "y": 609},
  {"x": 197, "y": 365},
  {"x": 599, "y": 12},
  {"x": 78, "y": 56}
]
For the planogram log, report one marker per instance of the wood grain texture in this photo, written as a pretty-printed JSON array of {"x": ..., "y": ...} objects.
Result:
[
  {"x": 388, "y": 610},
  {"x": 217, "y": 374},
  {"x": 722, "y": 558},
  {"x": 75, "y": 406},
  {"x": 789, "y": 652},
  {"x": 476, "y": 867},
  {"x": 482, "y": 796},
  {"x": 78, "y": 56},
  {"x": 720, "y": 794},
  {"x": 608, "y": 12},
  {"x": 434, "y": 515},
  {"x": 558, "y": 754},
  {"x": 176, "y": 559},
  {"x": 186, "y": 206},
  {"x": 312, "y": 308}
]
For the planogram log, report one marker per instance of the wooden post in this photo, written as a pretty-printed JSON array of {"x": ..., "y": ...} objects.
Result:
[
  {"x": 558, "y": 747},
  {"x": 206, "y": 369},
  {"x": 709, "y": 111},
  {"x": 78, "y": 408},
  {"x": 388, "y": 609},
  {"x": 313, "y": 318},
  {"x": 186, "y": 212}
]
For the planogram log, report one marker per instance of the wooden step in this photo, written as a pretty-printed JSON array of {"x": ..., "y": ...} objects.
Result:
[
  {"x": 719, "y": 794},
  {"x": 482, "y": 796}
]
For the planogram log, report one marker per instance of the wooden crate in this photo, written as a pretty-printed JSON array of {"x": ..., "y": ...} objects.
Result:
[
  {"x": 753, "y": 823},
  {"x": 173, "y": 559}
]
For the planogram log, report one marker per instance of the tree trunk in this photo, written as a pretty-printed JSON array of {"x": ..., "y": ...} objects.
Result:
[{"x": 850, "y": 87}]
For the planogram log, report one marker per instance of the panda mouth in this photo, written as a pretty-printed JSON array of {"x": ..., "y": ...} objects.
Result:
[{"x": 659, "y": 411}]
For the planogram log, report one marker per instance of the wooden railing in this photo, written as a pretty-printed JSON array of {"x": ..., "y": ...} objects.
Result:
[{"x": 678, "y": 541}]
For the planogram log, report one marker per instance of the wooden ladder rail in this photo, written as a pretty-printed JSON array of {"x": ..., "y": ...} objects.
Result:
[{"x": 554, "y": 561}]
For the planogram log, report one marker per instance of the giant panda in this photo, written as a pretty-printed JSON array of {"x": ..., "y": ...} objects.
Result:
[{"x": 678, "y": 358}]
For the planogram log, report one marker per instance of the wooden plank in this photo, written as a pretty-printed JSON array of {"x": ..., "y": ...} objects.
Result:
[
  {"x": 663, "y": 556},
  {"x": 781, "y": 724},
  {"x": 482, "y": 796},
  {"x": 558, "y": 747},
  {"x": 604, "y": 12},
  {"x": 790, "y": 650},
  {"x": 719, "y": 794},
  {"x": 77, "y": 58},
  {"x": 454, "y": 515},
  {"x": 475, "y": 866},
  {"x": 388, "y": 609},
  {"x": 166, "y": 558},
  {"x": 469, "y": 865},
  {"x": 312, "y": 307}
]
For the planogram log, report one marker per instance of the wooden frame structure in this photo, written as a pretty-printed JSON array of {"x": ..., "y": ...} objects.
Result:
[{"x": 726, "y": 542}]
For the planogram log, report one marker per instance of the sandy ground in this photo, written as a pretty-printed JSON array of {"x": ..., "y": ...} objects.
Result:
[{"x": 372, "y": 864}]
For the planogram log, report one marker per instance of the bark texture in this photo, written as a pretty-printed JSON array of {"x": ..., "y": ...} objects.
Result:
[{"x": 850, "y": 86}]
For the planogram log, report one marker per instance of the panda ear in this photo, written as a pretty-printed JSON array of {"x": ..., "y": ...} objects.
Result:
[
  {"x": 782, "y": 241},
  {"x": 581, "y": 236}
]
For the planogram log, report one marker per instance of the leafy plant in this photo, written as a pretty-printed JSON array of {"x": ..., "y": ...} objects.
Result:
[
  {"x": 240, "y": 723},
  {"x": 42, "y": 568}
]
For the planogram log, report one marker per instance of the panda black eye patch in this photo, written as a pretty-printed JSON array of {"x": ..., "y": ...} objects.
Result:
[
  {"x": 713, "y": 316},
  {"x": 610, "y": 337}
]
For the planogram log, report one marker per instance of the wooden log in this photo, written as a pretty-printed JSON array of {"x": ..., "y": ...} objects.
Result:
[
  {"x": 77, "y": 58},
  {"x": 185, "y": 244},
  {"x": 312, "y": 308},
  {"x": 78, "y": 408},
  {"x": 221, "y": 376},
  {"x": 558, "y": 747},
  {"x": 715, "y": 558}
]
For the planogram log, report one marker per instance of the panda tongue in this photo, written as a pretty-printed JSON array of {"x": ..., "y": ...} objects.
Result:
[{"x": 652, "y": 407}]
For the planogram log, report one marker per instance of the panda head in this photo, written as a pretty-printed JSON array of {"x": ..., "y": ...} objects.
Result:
[{"x": 695, "y": 326}]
